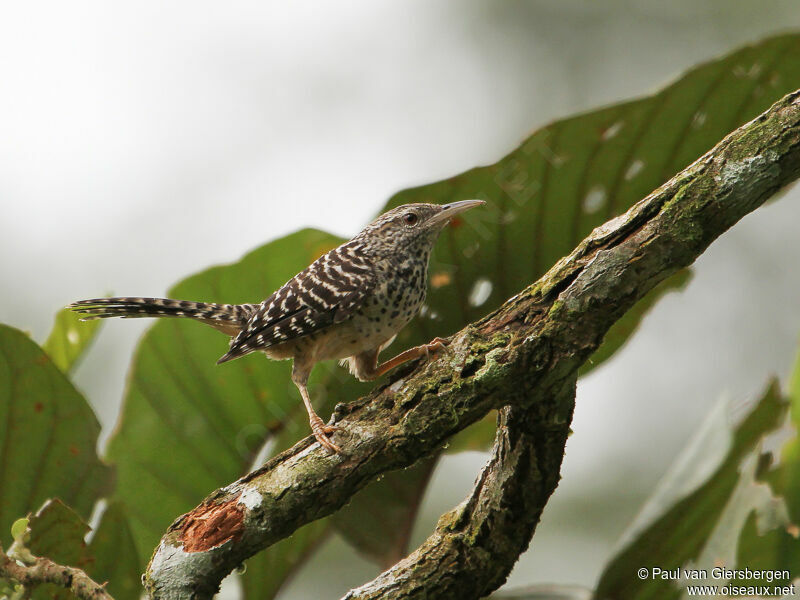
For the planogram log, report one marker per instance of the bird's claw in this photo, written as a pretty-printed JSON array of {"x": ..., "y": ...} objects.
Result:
[
  {"x": 321, "y": 432},
  {"x": 435, "y": 346}
]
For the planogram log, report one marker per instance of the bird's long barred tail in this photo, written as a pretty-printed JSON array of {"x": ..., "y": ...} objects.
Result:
[{"x": 235, "y": 315}]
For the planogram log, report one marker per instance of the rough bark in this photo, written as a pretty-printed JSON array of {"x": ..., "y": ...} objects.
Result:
[
  {"x": 524, "y": 355},
  {"x": 475, "y": 545}
]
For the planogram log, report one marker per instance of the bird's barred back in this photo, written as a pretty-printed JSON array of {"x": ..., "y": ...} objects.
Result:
[{"x": 327, "y": 292}]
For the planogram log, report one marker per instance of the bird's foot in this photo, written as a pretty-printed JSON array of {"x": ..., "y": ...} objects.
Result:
[
  {"x": 435, "y": 346},
  {"x": 321, "y": 432}
]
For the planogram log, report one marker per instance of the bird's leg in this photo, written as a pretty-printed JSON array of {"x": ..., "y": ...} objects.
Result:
[
  {"x": 367, "y": 362},
  {"x": 320, "y": 430}
]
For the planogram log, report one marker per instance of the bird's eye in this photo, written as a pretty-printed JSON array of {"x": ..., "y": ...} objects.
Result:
[{"x": 410, "y": 218}]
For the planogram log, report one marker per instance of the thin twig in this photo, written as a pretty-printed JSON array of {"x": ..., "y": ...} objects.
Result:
[{"x": 44, "y": 570}]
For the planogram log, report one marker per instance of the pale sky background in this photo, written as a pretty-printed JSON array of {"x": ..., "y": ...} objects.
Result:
[{"x": 142, "y": 142}]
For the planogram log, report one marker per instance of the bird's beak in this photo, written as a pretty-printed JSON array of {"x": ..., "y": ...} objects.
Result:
[{"x": 452, "y": 209}]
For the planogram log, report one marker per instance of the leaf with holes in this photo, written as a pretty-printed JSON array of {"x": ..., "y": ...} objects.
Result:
[
  {"x": 69, "y": 339},
  {"x": 573, "y": 175},
  {"x": 48, "y": 435}
]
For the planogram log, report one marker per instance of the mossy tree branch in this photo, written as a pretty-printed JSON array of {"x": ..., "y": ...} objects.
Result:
[
  {"x": 475, "y": 545},
  {"x": 525, "y": 355}
]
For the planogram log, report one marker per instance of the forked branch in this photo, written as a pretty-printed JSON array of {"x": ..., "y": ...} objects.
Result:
[{"x": 524, "y": 355}]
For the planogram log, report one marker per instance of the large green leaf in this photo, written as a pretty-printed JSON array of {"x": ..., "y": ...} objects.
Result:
[
  {"x": 378, "y": 521},
  {"x": 703, "y": 516},
  {"x": 780, "y": 549},
  {"x": 48, "y": 435},
  {"x": 563, "y": 181},
  {"x": 742, "y": 514},
  {"x": 113, "y": 555},
  {"x": 69, "y": 339}
]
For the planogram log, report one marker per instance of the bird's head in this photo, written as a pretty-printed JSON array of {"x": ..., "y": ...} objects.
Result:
[{"x": 413, "y": 227}]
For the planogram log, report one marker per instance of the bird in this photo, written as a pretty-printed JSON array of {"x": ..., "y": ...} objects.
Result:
[{"x": 347, "y": 305}]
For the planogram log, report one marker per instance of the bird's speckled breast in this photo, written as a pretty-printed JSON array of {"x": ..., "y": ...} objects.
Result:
[{"x": 394, "y": 301}]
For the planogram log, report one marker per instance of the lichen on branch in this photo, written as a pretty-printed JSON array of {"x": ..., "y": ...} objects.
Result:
[{"x": 38, "y": 571}]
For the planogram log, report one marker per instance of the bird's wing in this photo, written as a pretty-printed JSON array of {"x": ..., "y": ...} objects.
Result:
[{"x": 327, "y": 292}]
